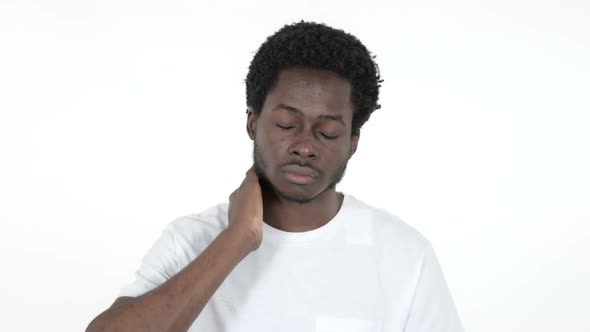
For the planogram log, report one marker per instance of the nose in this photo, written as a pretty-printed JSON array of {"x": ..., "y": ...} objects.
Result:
[{"x": 303, "y": 149}]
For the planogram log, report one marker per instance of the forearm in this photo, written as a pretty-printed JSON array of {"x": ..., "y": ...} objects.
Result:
[{"x": 178, "y": 302}]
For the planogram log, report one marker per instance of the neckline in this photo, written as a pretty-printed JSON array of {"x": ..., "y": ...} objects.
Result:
[{"x": 280, "y": 237}]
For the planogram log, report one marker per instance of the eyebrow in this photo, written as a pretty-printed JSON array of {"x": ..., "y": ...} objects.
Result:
[{"x": 321, "y": 116}]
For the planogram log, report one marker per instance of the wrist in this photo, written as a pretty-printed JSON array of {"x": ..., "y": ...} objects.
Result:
[{"x": 246, "y": 241}]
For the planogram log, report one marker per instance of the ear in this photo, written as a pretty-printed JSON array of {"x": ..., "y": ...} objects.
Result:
[
  {"x": 251, "y": 123},
  {"x": 354, "y": 140}
]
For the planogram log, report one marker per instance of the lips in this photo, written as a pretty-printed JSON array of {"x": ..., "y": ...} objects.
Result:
[{"x": 300, "y": 175}]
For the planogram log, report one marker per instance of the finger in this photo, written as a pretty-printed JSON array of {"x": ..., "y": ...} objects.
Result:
[
  {"x": 252, "y": 172},
  {"x": 252, "y": 169}
]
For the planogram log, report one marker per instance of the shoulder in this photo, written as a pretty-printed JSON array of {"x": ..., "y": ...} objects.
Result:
[
  {"x": 201, "y": 227},
  {"x": 389, "y": 229}
]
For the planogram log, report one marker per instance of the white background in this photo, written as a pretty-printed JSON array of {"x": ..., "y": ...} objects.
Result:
[{"x": 119, "y": 116}]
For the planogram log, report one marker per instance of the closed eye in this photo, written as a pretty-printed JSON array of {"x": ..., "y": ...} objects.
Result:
[
  {"x": 285, "y": 127},
  {"x": 328, "y": 136}
]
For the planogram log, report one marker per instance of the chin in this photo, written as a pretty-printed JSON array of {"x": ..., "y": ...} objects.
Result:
[
  {"x": 283, "y": 189},
  {"x": 297, "y": 198},
  {"x": 299, "y": 193}
]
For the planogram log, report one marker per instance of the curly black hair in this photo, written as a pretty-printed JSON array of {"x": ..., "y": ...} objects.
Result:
[{"x": 317, "y": 46}]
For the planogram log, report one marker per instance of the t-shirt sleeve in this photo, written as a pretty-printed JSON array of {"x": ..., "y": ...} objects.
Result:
[
  {"x": 432, "y": 309},
  {"x": 157, "y": 266}
]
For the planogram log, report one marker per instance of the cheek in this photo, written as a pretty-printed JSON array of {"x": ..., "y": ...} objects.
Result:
[
  {"x": 338, "y": 157},
  {"x": 272, "y": 147}
]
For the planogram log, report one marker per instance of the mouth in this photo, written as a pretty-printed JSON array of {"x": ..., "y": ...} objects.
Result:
[
  {"x": 299, "y": 175},
  {"x": 299, "y": 178}
]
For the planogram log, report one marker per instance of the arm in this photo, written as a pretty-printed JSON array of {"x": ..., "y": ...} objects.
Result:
[{"x": 174, "y": 305}]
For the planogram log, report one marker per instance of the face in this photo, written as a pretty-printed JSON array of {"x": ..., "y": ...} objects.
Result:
[{"x": 302, "y": 136}]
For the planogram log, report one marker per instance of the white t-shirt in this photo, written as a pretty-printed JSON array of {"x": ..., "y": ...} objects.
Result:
[{"x": 365, "y": 270}]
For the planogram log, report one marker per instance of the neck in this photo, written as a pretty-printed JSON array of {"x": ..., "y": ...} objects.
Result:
[{"x": 291, "y": 216}]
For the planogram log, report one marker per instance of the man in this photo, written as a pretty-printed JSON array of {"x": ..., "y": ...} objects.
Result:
[{"x": 289, "y": 252}]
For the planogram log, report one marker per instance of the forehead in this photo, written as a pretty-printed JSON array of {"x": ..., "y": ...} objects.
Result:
[{"x": 313, "y": 91}]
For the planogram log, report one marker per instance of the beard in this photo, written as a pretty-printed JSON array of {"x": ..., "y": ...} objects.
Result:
[{"x": 268, "y": 187}]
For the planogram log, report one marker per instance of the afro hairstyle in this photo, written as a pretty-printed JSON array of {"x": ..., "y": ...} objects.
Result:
[{"x": 316, "y": 46}]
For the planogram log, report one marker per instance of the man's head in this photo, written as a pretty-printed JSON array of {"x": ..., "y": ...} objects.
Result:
[{"x": 310, "y": 88}]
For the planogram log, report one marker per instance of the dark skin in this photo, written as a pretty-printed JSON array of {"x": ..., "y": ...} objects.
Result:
[
  {"x": 306, "y": 120},
  {"x": 313, "y": 110}
]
